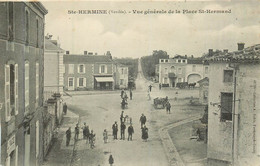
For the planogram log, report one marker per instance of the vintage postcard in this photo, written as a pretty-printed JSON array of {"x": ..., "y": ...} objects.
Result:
[{"x": 137, "y": 83}]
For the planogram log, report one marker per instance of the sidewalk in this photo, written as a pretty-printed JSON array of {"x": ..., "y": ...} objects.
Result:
[{"x": 59, "y": 146}]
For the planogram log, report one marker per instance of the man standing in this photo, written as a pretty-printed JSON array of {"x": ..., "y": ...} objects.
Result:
[
  {"x": 77, "y": 132},
  {"x": 122, "y": 117},
  {"x": 122, "y": 129},
  {"x": 130, "y": 132},
  {"x": 131, "y": 94},
  {"x": 122, "y": 93},
  {"x": 65, "y": 108},
  {"x": 84, "y": 131},
  {"x": 150, "y": 88},
  {"x": 142, "y": 120},
  {"x": 160, "y": 86},
  {"x": 68, "y": 136},
  {"x": 115, "y": 129},
  {"x": 168, "y": 107}
]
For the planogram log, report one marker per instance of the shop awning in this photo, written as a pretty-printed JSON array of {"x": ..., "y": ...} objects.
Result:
[{"x": 104, "y": 79}]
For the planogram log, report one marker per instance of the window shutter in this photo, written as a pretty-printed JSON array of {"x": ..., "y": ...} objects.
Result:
[
  {"x": 78, "y": 68},
  {"x": 7, "y": 161},
  {"x": 99, "y": 68},
  {"x": 84, "y": 82},
  {"x": 77, "y": 82},
  {"x": 16, "y": 89},
  {"x": 84, "y": 69},
  {"x": 7, "y": 93},
  {"x": 105, "y": 68},
  {"x": 16, "y": 156}
]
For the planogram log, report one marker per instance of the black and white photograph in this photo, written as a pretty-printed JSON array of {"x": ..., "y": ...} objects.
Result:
[{"x": 130, "y": 83}]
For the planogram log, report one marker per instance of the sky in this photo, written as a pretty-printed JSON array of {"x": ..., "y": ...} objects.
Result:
[{"x": 137, "y": 35}]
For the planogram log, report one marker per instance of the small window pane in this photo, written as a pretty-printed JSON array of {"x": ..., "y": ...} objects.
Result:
[{"x": 228, "y": 75}]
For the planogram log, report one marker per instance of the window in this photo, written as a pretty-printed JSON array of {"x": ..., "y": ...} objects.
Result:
[
  {"x": 166, "y": 60},
  {"x": 179, "y": 79},
  {"x": 71, "y": 68},
  {"x": 102, "y": 69},
  {"x": 206, "y": 70},
  {"x": 179, "y": 61},
  {"x": 37, "y": 33},
  {"x": 193, "y": 67},
  {"x": 27, "y": 18},
  {"x": 183, "y": 61},
  {"x": 165, "y": 70},
  {"x": 172, "y": 69},
  {"x": 122, "y": 71},
  {"x": 162, "y": 60},
  {"x": 81, "y": 82},
  {"x": 228, "y": 75},
  {"x": 166, "y": 80},
  {"x": 26, "y": 85},
  {"x": 70, "y": 82},
  {"x": 179, "y": 70},
  {"x": 226, "y": 106},
  {"x": 81, "y": 69},
  {"x": 37, "y": 84},
  {"x": 11, "y": 21},
  {"x": 121, "y": 81}
]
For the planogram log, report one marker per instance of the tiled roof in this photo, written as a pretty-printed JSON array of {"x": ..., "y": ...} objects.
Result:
[
  {"x": 249, "y": 54},
  {"x": 86, "y": 58},
  {"x": 195, "y": 61},
  {"x": 203, "y": 80},
  {"x": 49, "y": 45}
]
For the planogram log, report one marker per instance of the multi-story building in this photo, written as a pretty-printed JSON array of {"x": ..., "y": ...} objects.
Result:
[
  {"x": 234, "y": 107},
  {"x": 21, "y": 82},
  {"x": 88, "y": 72},
  {"x": 181, "y": 69},
  {"x": 121, "y": 75},
  {"x": 53, "y": 67}
]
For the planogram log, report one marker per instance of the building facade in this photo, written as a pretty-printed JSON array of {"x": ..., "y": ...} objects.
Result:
[
  {"x": 181, "y": 69},
  {"x": 53, "y": 68},
  {"x": 89, "y": 72},
  {"x": 21, "y": 82},
  {"x": 234, "y": 108},
  {"x": 121, "y": 74}
]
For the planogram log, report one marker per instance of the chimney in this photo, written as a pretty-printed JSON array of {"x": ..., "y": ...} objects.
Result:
[
  {"x": 109, "y": 54},
  {"x": 85, "y": 52},
  {"x": 210, "y": 52},
  {"x": 240, "y": 46},
  {"x": 225, "y": 51},
  {"x": 67, "y": 52}
]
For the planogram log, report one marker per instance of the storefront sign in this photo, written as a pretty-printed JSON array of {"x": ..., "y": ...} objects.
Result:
[{"x": 11, "y": 144}]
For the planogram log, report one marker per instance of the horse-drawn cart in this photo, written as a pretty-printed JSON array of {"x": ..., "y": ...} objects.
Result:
[{"x": 160, "y": 102}]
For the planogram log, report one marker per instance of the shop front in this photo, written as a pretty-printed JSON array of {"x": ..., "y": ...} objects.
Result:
[{"x": 104, "y": 83}]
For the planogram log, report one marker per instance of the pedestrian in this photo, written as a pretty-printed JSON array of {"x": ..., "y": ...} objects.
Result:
[
  {"x": 77, "y": 132},
  {"x": 122, "y": 93},
  {"x": 160, "y": 86},
  {"x": 143, "y": 120},
  {"x": 65, "y": 108},
  {"x": 150, "y": 88},
  {"x": 122, "y": 129},
  {"x": 144, "y": 133},
  {"x": 92, "y": 139},
  {"x": 87, "y": 134},
  {"x": 168, "y": 107},
  {"x": 130, "y": 132},
  {"x": 84, "y": 131},
  {"x": 122, "y": 117},
  {"x": 111, "y": 160},
  {"x": 68, "y": 136},
  {"x": 125, "y": 97},
  {"x": 105, "y": 137},
  {"x": 115, "y": 129},
  {"x": 131, "y": 94}
]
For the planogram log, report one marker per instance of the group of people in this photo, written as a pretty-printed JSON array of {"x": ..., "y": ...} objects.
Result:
[
  {"x": 88, "y": 135},
  {"x": 124, "y": 98},
  {"x": 143, "y": 127}
]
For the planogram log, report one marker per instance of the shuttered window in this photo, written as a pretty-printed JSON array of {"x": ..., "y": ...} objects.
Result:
[
  {"x": 226, "y": 106},
  {"x": 26, "y": 85},
  {"x": 7, "y": 93}
]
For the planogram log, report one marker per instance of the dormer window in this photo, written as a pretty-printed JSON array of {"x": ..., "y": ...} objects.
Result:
[{"x": 179, "y": 61}]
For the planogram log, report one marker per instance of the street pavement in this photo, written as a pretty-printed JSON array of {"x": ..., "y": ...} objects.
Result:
[{"x": 101, "y": 110}]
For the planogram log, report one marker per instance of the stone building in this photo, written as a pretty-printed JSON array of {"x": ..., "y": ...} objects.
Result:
[
  {"x": 181, "y": 69},
  {"x": 53, "y": 67},
  {"x": 121, "y": 75},
  {"x": 234, "y": 107},
  {"x": 21, "y": 82},
  {"x": 89, "y": 72}
]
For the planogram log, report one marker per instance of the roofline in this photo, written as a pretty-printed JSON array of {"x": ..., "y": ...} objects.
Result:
[{"x": 41, "y": 7}]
